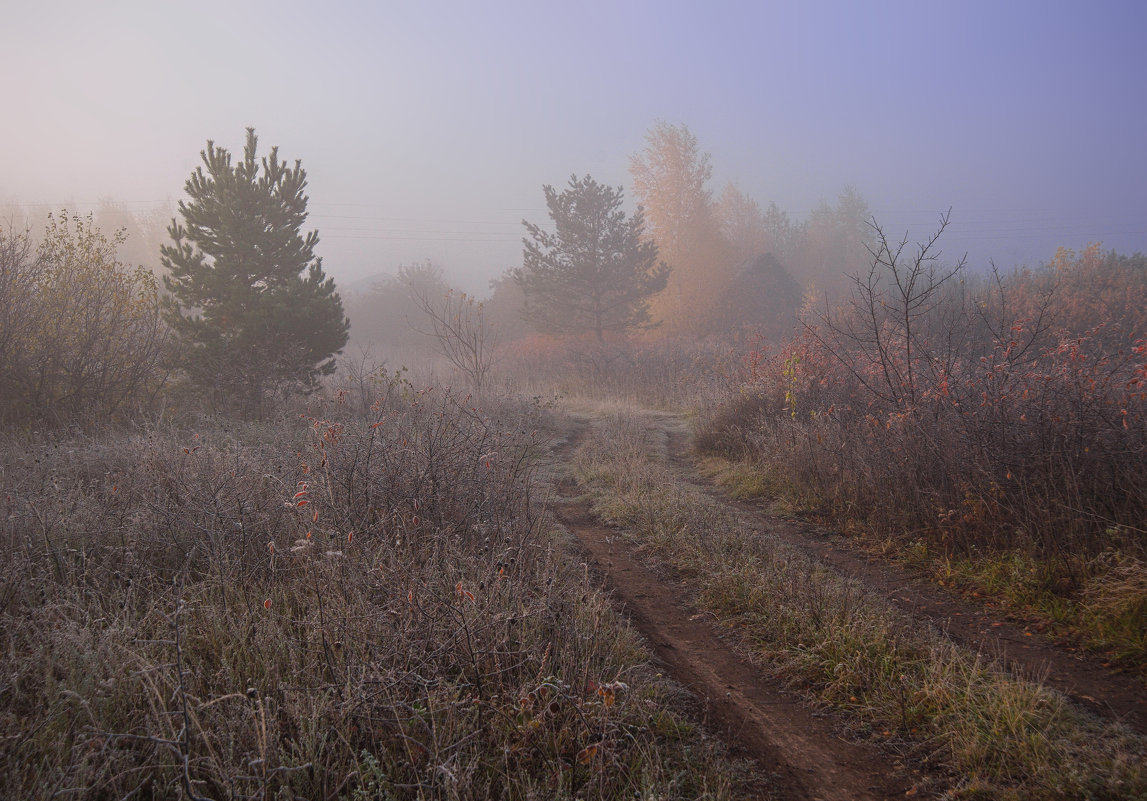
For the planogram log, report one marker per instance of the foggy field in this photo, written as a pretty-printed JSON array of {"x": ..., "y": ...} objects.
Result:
[
  {"x": 598, "y": 401},
  {"x": 288, "y": 581}
]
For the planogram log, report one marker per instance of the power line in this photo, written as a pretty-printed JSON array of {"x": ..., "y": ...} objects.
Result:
[
  {"x": 985, "y": 225},
  {"x": 389, "y": 238}
]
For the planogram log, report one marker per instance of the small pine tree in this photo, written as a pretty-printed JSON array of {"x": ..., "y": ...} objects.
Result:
[
  {"x": 249, "y": 301},
  {"x": 595, "y": 272}
]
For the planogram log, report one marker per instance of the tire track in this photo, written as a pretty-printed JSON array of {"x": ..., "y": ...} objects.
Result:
[
  {"x": 1105, "y": 693},
  {"x": 801, "y": 748}
]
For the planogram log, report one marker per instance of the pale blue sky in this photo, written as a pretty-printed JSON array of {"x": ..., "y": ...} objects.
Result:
[{"x": 428, "y": 128}]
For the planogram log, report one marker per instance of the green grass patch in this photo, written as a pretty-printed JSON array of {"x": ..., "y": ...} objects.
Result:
[
  {"x": 1104, "y": 611},
  {"x": 1097, "y": 603},
  {"x": 741, "y": 480}
]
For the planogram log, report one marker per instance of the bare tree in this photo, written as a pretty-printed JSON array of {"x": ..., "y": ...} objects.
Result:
[
  {"x": 20, "y": 272},
  {"x": 458, "y": 325},
  {"x": 887, "y": 333}
]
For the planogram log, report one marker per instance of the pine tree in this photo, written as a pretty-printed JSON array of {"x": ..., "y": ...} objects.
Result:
[
  {"x": 595, "y": 272},
  {"x": 249, "y": 300}
]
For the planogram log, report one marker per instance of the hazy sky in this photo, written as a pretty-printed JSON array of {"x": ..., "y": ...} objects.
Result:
[{"x": 428, "y": 128}]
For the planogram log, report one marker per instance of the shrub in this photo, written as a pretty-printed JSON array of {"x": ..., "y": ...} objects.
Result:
[
  {"x": 965, "y": 413},
  {"x": 81, "y": 339}
]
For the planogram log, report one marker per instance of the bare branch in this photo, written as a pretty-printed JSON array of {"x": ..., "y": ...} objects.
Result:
[{"x": 457, "y": 323}]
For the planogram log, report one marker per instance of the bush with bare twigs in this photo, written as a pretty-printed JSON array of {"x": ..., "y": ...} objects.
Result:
[{"x": 967, "y": 417}]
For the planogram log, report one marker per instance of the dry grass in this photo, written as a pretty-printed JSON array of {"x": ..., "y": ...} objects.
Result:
[
  {"x": 355, "y": 604},
  {"x": 659, "y": 373},
  {"x": 990, "y": 733}
]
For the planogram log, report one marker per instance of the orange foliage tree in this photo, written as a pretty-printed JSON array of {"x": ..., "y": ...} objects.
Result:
[{"x": 670, "y": 178}]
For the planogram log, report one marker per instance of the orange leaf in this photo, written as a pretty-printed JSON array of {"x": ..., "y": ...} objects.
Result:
[
  {"x": 267, "y": 604},
  {"x": 586, "y": 755}
]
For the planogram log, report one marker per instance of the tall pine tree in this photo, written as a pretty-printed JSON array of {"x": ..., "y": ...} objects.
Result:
[{"x": 249, "y": 300}]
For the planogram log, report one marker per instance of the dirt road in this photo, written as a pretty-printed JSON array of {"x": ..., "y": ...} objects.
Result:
[
  {"x": 803, "y": 748},
  {"x": 803, "y": 751}
]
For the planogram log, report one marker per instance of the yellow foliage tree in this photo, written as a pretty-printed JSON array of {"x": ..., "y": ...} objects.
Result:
[
  {"x": 82, "y": 339},
  {"x": 670, "y": 178}
]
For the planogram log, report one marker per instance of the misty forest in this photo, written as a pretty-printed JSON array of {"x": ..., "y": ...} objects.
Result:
[{"x": 700, "y": 499}]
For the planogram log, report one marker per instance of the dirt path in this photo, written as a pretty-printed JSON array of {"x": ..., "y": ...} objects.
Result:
[
  {"x": 808, "y": 759},
  {"x": 798, "y": 747}
]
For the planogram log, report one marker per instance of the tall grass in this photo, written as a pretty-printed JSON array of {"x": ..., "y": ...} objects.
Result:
[
  {"x": 351, "y": 603},
  {"x": 663, "y": 373}
]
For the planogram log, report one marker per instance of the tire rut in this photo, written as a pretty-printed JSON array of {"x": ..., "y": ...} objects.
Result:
[
  {"x": 800, "y": 748},
  {"x": 1105, "y": 693}
]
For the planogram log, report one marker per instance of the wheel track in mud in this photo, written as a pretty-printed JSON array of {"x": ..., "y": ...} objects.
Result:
[{"x": 1104, "y": 692}]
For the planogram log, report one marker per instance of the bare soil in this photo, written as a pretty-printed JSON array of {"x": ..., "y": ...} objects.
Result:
[{"x": 803, "y": 749}]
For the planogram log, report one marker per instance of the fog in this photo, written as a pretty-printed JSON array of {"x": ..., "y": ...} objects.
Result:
[{"x": 429, "y": 129}]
